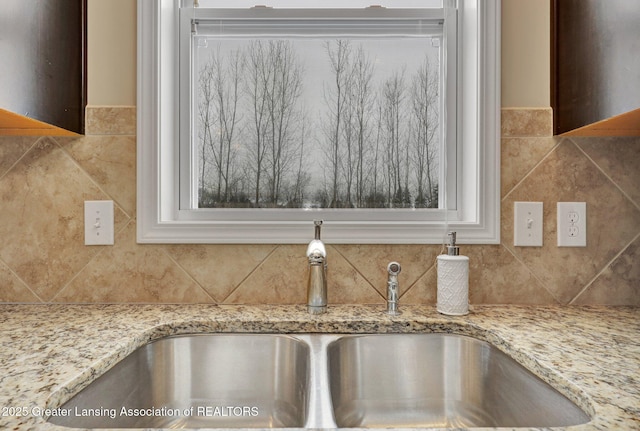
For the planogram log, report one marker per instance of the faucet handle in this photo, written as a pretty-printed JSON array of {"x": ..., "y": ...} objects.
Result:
[
  {"x": 318, "y": 225},
  {"x": 316, "y": 246}
]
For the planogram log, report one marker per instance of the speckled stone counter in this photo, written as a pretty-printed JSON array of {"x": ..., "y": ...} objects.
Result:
[{"x": 50, "y": 352}]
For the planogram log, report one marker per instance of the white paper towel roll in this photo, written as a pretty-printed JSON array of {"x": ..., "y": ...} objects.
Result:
[{"x": 453, "y": 285}]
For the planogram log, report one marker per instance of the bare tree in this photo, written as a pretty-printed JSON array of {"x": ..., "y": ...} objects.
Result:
[
  {"x": 284, "y": 115},
  {"x": 338, "y": 53},
  {"x": 393, "y": 94},
  {"x": 274, "y": 88},
  {"x": 362, "y": 98},
  {"x": 378, "y": 134},
  {"x": 375, "y": 199},
  {"x": 302, "y": 177},
  {"x": 228, "y": 95},
  {"x": 348, "y": 144},
  {"x": 424, "y": 114},
  {"x": 258, "y": 75},
  {"x": 219, "y": 84},
  {"x": 206, "y": 118}
]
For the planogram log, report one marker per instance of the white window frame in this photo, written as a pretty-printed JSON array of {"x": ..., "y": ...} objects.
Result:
[{"x": 476, "y": 219}]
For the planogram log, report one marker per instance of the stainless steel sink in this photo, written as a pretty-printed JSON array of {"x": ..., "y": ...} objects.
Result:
[
  {"x": 318, "y": 381},
  {"x": 438, "y": 380},
  {"x": 195, "y": 381}
]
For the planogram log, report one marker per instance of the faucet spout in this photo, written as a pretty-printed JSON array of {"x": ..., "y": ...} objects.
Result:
[
  {"x": 317, "y": 285},
  {"x": 393, "y": 290}
]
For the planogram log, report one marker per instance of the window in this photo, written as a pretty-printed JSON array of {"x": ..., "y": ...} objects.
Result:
[{"x": 383, "y": 121}]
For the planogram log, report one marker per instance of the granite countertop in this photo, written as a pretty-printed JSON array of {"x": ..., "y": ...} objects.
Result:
[{"x": 50, "y": 352}]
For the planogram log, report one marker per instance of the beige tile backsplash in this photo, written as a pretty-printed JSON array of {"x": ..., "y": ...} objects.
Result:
[{"x": 45, "y": 180}]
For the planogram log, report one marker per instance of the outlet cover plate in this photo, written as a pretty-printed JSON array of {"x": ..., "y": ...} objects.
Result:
[
  {"x": 527, "y": 224},
  {"x": 572, "y": 224},
  {"x": 98, "y": 222}
]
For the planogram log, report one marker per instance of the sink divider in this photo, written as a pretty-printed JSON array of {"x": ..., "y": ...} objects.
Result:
[{"x": 320, "y": 413}]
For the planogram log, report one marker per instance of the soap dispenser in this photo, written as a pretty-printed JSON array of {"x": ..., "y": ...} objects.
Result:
[{"x": 453, "y": 280}]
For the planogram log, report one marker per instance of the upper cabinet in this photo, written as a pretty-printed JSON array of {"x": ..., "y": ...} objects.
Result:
[
  {"x": 596, "y": 66},
  {"x": 43, "y": 72}
]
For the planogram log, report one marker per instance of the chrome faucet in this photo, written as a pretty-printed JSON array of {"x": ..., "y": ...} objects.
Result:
[
  {"x": 317, "y": 286},
  {"x": 393, "y": 291}
]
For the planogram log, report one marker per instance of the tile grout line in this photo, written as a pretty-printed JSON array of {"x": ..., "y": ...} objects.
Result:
[
  {"x": 615, "y": 184},
  {"x": 357, "y": 270},
  {"x": 277, "y": 246},
  {"x": 91, "y": 179},
  {"x": 533, "y": 274},
  {"x": 434, "y": 265},
  {"x": 165, "y": 251},
  {"x": 605, "y": 267},
  {"x": 24, "y": 283},
  {"x": 637, "y": 205},
  {"x": 27, "y": 151},
  {"x": 531, "y": 171},
  {"x": 77, "y": 274}
]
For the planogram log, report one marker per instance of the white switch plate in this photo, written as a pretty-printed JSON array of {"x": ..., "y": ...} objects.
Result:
[
  {"x": 527, "y": 224},
  {"x": 572, "y": 224},
  {"x": 98, "y": 222}
]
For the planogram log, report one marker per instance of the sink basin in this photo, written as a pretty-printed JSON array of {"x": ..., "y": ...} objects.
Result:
[
  {"x": 438, "y": 380},
  {"x": 318, "y": 381},
  {"x": 195, "y": 381}
]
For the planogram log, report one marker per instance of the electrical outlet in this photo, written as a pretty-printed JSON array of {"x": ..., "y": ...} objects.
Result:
[
  {"x": 572, "y": 224},
  {"x": 573, "y": 231},
  {"x": 573, "y": 217},
  {"x": 527, "y": 224},
  {"x": 98, "y": 223}
]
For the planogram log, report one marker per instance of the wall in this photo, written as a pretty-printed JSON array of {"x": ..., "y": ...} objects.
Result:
[
  {"x": 525, "y": 52},
  {"x": 44, "y": 181},
  {"x": 526, "y": 58},
  {"x": 111, "y": 52}
]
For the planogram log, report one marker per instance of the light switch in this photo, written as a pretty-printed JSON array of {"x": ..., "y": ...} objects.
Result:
[
  {"x": 98, "y": 222},
  {"x": 527, "y": 224}
]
